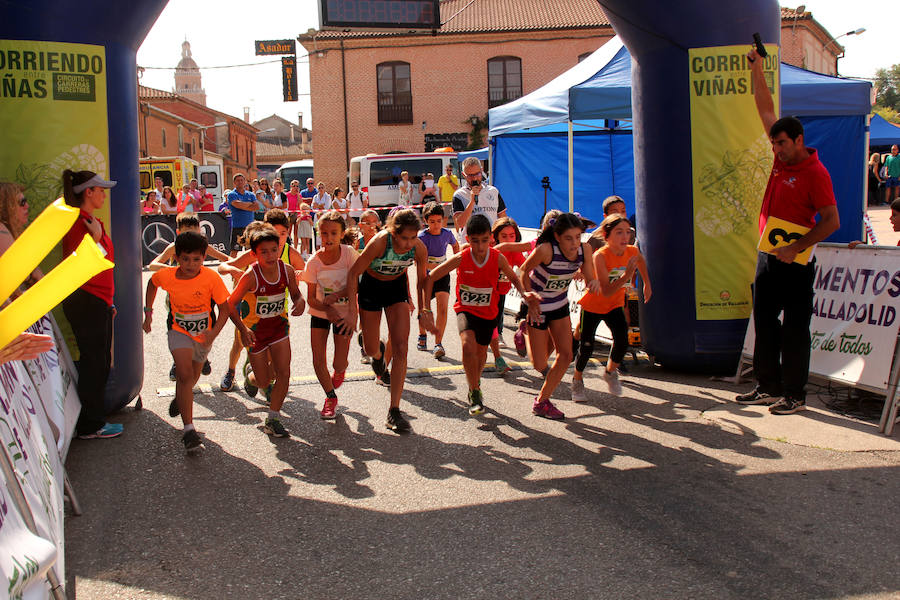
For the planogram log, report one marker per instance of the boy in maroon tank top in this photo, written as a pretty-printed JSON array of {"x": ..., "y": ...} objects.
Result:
[
  {"x": 269, "y": 280},
  {"x": 477, "y": 280}
]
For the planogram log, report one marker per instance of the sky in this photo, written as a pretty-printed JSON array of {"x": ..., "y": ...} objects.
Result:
[{"x": 222, "y": 33}]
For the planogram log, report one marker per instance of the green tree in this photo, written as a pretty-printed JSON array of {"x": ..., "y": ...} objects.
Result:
[
  {"x": 888, "y": 114},
  {"x": 887, "y": 84}
]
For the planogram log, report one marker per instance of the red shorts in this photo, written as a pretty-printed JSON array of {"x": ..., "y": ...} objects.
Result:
[{"x": 268, "y": 332}]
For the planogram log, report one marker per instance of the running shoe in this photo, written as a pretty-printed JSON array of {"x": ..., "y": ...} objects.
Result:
[
  {"x": 173, "y": 408},
  {"x": 422, "y": 343},
  {"x": 337, "y": 378},
  {"x": 439, "y": 351},
  {"x": 755, "y": 396},
  {"x": 787, "y": 406},
  {"x": 227, "y": 383},
  {"x": 249, "y": 387},
  {"x": 384, "y": 379},
  {"x": 207, "y": 368},
  {"x": 109, "y": 430},
  {"x": 546, "y": 409},
  {"x": 396, "y": 421},
  {"x": 501, "y": 366},
  {"x": 192, "y": 441},
  {"x": 578, "y": 394},
  {"x": 519, "y": 340},
  {"x": 476, "y": 402},
  {"x": 172, "y": 373},
  {"x": 612, "y": 380},
  {"x": 328, "y": 411},
  {"x": 274, "y": 428}
]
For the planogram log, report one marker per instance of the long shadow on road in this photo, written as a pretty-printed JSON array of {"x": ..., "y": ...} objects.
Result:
[{"x": 238, "y": 522}]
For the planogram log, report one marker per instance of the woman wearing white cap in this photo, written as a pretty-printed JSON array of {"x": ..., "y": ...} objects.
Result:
[{"x": 90, "y": 308}]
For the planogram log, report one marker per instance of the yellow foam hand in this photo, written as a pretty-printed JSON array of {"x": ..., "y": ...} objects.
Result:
[
  {"x": 30, "y": 248},
  {"x": 56, "y": 285}
]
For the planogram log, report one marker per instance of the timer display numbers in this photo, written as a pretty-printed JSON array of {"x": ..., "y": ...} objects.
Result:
[{"x": 380, "y": 15}]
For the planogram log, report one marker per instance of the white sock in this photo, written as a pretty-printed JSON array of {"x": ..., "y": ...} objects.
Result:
[
  {"x": 274, "y": 414},
  {"x": 189, "y": 427}
]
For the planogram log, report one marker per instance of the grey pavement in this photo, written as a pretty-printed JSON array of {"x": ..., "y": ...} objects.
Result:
[{"x": 671, "y": 491}]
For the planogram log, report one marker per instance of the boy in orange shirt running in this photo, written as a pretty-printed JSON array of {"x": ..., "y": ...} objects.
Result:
[{"x": 191, "y": 287}]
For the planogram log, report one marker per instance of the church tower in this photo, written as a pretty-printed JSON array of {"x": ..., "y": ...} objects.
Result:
[{"x": 187, "y": 77}]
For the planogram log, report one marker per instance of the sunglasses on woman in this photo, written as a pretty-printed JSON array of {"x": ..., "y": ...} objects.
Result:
[{"x": 23, "y": 201}]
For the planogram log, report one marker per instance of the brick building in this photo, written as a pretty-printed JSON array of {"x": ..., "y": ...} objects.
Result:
[
  {"x": 409, "y": 92},
  {"x": 172, "y": 125},
  {"x": 280, "y": 141},
  {"x": 806, "y": 44}
]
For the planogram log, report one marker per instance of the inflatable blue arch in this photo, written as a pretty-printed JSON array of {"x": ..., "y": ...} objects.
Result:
[
  {"x": 656, "y": 32},
  {"x": 119, "y": 27}
]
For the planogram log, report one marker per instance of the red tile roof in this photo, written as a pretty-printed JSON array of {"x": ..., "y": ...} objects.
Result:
[{"x": 486, "y": 16}]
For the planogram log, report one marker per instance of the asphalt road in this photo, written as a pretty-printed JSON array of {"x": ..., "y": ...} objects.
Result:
[{"x": 639, "y": 496}]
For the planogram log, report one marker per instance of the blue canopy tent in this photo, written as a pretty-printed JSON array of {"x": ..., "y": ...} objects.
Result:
[
  {"x": 882, "y": 132},
  {"x": 833, "y": 112}
]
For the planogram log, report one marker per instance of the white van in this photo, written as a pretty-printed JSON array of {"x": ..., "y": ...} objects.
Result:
[
  {"x": 301, "y": 170},
  {"x": 378, "y": 174}
]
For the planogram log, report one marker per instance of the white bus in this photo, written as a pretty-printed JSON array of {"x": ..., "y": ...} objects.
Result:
[
  {"x": 378, "y": 174},
  {"x": 301, "y": 170}
]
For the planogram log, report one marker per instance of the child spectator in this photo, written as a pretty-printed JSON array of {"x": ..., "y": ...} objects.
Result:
[
  {"x": 293, "y": 207},
  {"x": 305, "y": 230},
  {"x": 436, "y": 238},
  {"x": 191, "y": 288}
]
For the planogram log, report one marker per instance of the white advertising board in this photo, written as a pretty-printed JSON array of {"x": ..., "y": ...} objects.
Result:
[{"x": 856, "y": 314}]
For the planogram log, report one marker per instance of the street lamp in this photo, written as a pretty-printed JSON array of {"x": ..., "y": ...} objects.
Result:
[
  {"x": 834, "y": 41},
  {"x": 203, "y": 129}
]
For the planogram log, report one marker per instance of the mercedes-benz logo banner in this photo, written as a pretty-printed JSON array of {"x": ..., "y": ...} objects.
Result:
[{"x": 158, "y": 231}]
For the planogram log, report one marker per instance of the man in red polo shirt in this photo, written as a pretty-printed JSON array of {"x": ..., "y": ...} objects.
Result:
[{"x": 799, "y": 188}]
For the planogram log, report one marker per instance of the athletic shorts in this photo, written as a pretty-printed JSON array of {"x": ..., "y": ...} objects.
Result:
[
  {"x": 320, "y": 323},
  {"x": 892, "y": 182},
  {"x": 375, "y": 295},
  {"x": 269, "y": 332},
  {"x": 441, "y": 285},
  {"x": 236, "y": 232},
  {"x": 554, "y": 315},
  {"x": 482, "y": 328},
  {"x": 179, "y": 340}
]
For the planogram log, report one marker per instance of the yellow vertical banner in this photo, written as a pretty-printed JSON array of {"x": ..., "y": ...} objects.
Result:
[
  {"x": 53, "y": 117},
  {"x": 731, "y": 159}
]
